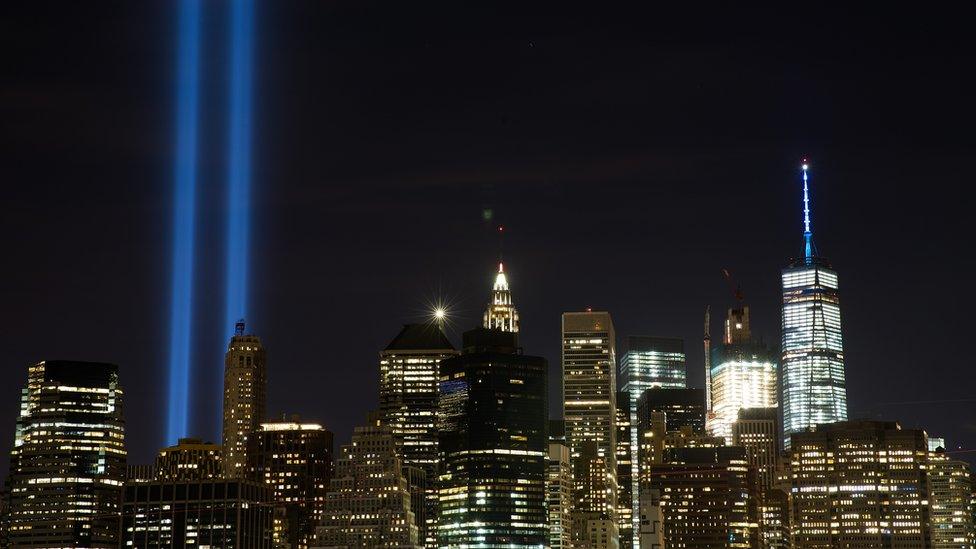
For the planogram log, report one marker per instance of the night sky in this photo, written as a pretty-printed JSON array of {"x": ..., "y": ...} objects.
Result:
[{"x": 631, "y": 155}]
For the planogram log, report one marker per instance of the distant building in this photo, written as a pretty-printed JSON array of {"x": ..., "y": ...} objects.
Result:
[
  {"x": 559, "y": 495},
  {"x": 190, "y": 459},
  {"x": 294, "y": 459},
  {"x": 67, "y": 465},
  {"x": 651, "y": 520},
  {"x": 813, "y": 385},
  {"x": 626, "y": 478},
  {"x": 707, "y": 497},
  {"x": 216, "y": 513},
  {"x": 245, "y": 386},
  {"x": 951, "y": 501},
  {"x": 593, "y": 507},
  {"x": 493, "y": 444},
  {"x": 860, "y": 484},
  {"x": 369, "y": 499},
  {"x": 743, "y": 375},
  {"x": 682, "y": 407},
  {"x": 590, "y": 407},
  {"x": 757, "y": 430},
  {"x": 501, "y": 313}
]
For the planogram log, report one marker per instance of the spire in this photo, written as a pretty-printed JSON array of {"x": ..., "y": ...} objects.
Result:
[
  {"x": 501, "y": 313},
  {"x": 808, "y": 249},
  {"x": 239, "y": 328}
]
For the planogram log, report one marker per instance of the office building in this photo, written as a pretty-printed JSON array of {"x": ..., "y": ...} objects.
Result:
[
  {"x": 190, "y": 459},
  {"x": 813, "y": 386},
  {"x": 627, "y": 500},
  {"x": 951, "y": 501},
  {"x": 559, "y": 495},
  {"x": 67, "y": 465},
  {"x": 369, "y": 502},
  {"x": 501, "y": 313},
  {"x": 651, "y": 520},
  {"x": 590, "y": 407},
  {"x": 294, "y": 458},
  {"x": 707, "y": 497},
  {"x": 409, "y": 377},
  {"x": 860, "y": 484},
  {"x": 493, "y": 444},
  {"x": 215, "y": 513},
  {"x": 682, "y": 407},
  {"x": 757, "y": 430},
  {"x": 245, "y": 385},
  {"x": 743, "y": 374}
]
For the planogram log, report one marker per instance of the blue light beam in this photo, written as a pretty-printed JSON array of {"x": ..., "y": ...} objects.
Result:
[
  {"x": 239, "y": 163},
  {"x": 184, "y": 213}
]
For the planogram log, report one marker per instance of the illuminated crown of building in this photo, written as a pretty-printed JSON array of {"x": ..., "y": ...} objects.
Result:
[{"x": 501, "y": 313}]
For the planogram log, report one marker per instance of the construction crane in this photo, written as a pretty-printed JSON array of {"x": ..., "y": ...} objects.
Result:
[{"x": 736, "y": 289}]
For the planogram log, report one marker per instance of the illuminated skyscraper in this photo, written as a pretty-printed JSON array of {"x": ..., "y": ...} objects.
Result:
[
  {"x": 627, "y": 503},
  {"x": 67, "y": 465},
  {"x": 369, "y": 499},
  {"x": 294, "y": 458},
  {"x": 245, "y": 383},
  {"x": 493, "y": 443},
  {"x": 814, "y": 388},
  {"x": 743, "y": 375},
  {"x": 501, "y": 313},
  {"x": 860, "y": 484},
  {"x": 190, "y": 459},
  {"x": 951, "y": 502},
  {"x": 559, "y": 495},
  {"x": 589, "y": 409},
  {"x": 408, "y": 405}
]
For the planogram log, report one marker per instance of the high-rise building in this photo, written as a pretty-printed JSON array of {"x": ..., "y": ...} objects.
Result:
[
  {"x": 216, "y": 513},
  {"x": 813, "y": 385},
  {"x": 559, "y": 495},
  {"x": 493, "y": 444},
  {"x": 707, "y": 496},
  {"x": 757, "y": 430},
  {"x": 409, "y": 377},
  {"x": 951, "y": 502},
  {"x": 369, "y": 499},
  {"x": 294, "y": 458},
  {"x": 501, "y": 313},
  {"x": 651, "y": 520},
  {"x": 589, "y": 410},
  {"x": 743, "y": 374},
  {"x": 190, "y": 459},
  {"x": 682, "y": 408},
  {"x": 67, "y": 465},
  {"x": 860, "y": 484},
  {"x": 627, "y": 503},
  {"x": 245, "y": 385}
]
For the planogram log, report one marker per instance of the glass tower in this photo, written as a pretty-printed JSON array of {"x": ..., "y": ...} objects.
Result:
[{"x": 814, "y": 389}]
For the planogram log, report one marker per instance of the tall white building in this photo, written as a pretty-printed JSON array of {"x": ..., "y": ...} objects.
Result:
[
  {"x": 501, "y": 313},
  {"x": 814, "y": 386},
  {"x": 743, "y": 375}
]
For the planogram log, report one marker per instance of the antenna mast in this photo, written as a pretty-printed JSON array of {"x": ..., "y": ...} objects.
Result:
[
  {"x": 807, "y": 233},
  {"x": 707, "y": 342}
]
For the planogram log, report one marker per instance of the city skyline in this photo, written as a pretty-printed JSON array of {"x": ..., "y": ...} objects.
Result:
[{"x": 91, "y": 219}]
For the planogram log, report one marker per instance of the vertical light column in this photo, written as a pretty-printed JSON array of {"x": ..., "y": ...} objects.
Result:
[{"x": 184, "y": 213}]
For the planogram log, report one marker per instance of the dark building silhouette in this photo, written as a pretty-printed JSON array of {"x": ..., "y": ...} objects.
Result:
[
  {"x": 682, "y": 407},
  {"x": 493, "y": 444}
]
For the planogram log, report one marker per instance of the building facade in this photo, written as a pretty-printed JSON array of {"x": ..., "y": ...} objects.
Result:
[
  {"x": 590, "y": 407},
  {"x": 757, "y": 430},
  {"x": 813, "y": 385},
  {"x": 369, "y": 503},
  {"x": 860, "y": 484},
  {"x": 681, "y": 407},
  {"x": 743, "y": 375},
  {"x": 501, "y": 313},
  {"x": 951, "y": 502},
  {"x": 493, "y": 445},
  {"x": 409, "y": 377},
  {"x": 190, "y": 459},
  {"x": 627, "y": 489},
  {"x": 215, "y": 513},
  {"x": 559, "y": 495},
  {"x": 294, "y": 459},
  {"x": 245, "y": 387},
  {"x": 67, "y": 466}
]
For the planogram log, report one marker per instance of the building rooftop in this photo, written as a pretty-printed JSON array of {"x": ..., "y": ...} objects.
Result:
[{"x": 420, "y": 337}]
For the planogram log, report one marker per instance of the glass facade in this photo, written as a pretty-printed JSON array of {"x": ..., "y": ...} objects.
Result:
[
  {"x": 742, "y": 377},
  {"x": 814, "y": 388}
]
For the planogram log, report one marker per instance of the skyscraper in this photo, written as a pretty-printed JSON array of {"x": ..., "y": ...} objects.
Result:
[
  {"x": 590, "y": 394},
  {"x": 190, "y": 459},
  {"x": 627, "y": 502},
  {"x": 369, "y": 498},
  {"x": 814, "y": 387},
  {"x": 67, "y": 465},
  {"x": 501, "y": 313},
  {"x": 245, "y": 384},
  {"x": 860, "y": 484},
  {"x": 682, "y": 408},
  {"x": 951, "y": 502},
  {"x": 294, "y": 458},
  {"x": 493, "y": 445},
  {"x": 559, "y": 495},
  {"x": 757, "y": 430},
  {"x": 743, "y": 374},
  {"x": 409, "y": 376}
]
